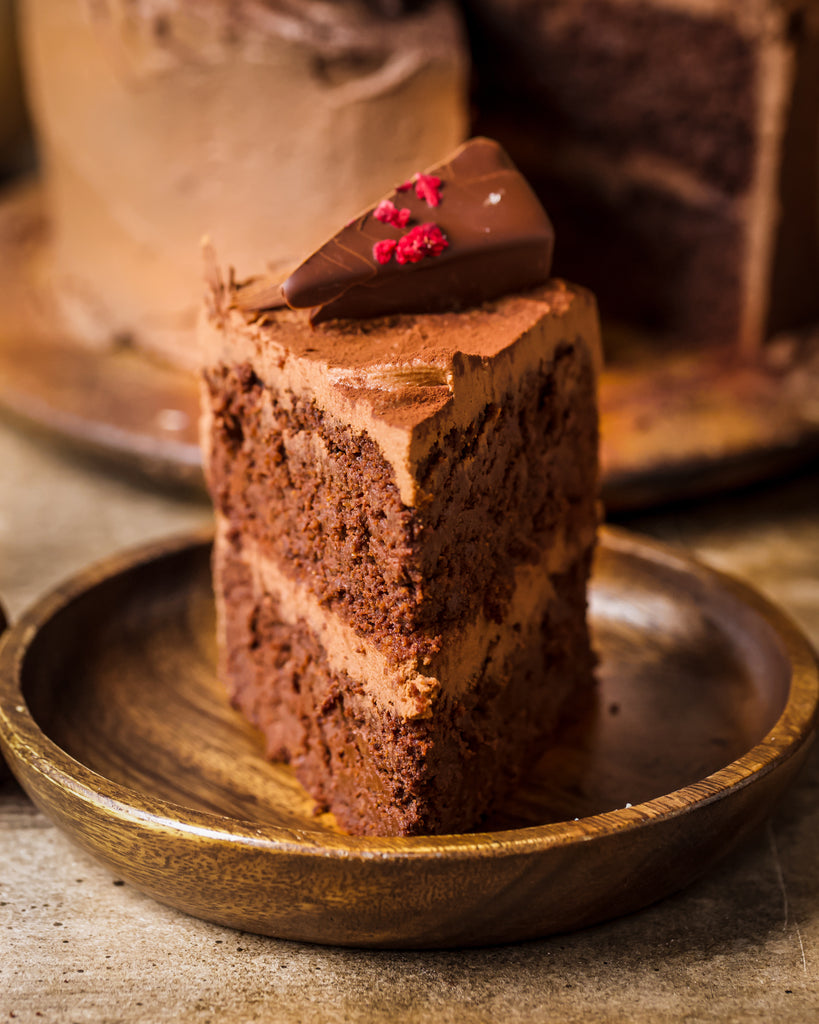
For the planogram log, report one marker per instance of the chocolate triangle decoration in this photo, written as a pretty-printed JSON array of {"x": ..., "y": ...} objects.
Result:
[{"x": 455, "y": 236}]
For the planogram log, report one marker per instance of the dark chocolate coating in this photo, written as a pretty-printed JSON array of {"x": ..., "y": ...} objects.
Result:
[{"x": 499, "y": 238}]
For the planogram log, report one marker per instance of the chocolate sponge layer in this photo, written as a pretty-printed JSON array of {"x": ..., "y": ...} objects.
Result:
[
  {"x": 382, "y": 774},
  {"x": 321, "y": 501}
]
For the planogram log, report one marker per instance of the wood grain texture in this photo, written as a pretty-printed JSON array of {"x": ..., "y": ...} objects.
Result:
[
  {"x": 113, "y": 721},
  {"x": 675, "y": 422}
]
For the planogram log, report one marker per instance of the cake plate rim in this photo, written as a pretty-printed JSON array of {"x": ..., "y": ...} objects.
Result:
[{"x": 146, "y": 839}]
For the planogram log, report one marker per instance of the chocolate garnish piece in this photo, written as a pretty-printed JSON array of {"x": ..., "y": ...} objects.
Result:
[{"x": 487, "y": 235}]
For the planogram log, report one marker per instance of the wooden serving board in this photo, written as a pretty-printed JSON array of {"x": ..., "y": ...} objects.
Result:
[{"x": 113, "y": 720}]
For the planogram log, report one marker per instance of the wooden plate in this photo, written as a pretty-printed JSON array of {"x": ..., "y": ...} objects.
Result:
[
  {"x": 674, "y": 422},
  {"x": 113, "y": 721}
]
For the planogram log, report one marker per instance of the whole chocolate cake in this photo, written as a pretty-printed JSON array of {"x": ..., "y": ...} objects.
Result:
[
  {"x": 403, "y": 463},
  {"x": 262, "y": 123}
]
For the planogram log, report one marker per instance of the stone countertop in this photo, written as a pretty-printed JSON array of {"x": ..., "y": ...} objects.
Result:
[{"x": 78, "y": 945}]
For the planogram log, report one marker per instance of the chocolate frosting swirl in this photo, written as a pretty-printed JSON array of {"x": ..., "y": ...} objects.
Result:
[{"x": 497, "y": 239}]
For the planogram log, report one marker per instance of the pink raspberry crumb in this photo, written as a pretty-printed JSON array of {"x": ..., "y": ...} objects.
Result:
[
  {"x": 388, "y": 213},
  {"x": 418, "y": 243},
  {"x": 428, "y": 188},
  {"x": 383, "y": 250}
]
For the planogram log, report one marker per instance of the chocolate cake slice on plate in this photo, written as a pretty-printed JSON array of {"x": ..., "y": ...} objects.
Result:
[{"x": 401, "y": 445}]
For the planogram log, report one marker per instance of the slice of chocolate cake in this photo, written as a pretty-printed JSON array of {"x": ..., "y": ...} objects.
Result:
[{"x": 405, "y": 497}]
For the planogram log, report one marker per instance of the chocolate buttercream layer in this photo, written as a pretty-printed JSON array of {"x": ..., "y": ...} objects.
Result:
[
  {"x": 379, "y": 772},
  {"x": 454, "y": 236}
]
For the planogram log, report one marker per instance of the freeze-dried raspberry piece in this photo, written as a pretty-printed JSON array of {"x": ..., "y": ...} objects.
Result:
[
  {"x": 383, "y": 250},
  {"x": 418, "y": 243},
  {"x": 388, "y": 213}
]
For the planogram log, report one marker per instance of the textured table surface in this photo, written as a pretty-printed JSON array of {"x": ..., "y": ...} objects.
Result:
[{"x": 77, "y": 945}]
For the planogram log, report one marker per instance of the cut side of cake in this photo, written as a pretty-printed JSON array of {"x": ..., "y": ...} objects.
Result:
[
  {"x": 681, "y": 135},
  {"x": 406, "y": 514}
]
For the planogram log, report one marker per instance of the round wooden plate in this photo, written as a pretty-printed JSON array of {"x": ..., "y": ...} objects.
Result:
[
  {"x": 113, "y": 721},
  {"x": 675, "y": 422}
]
